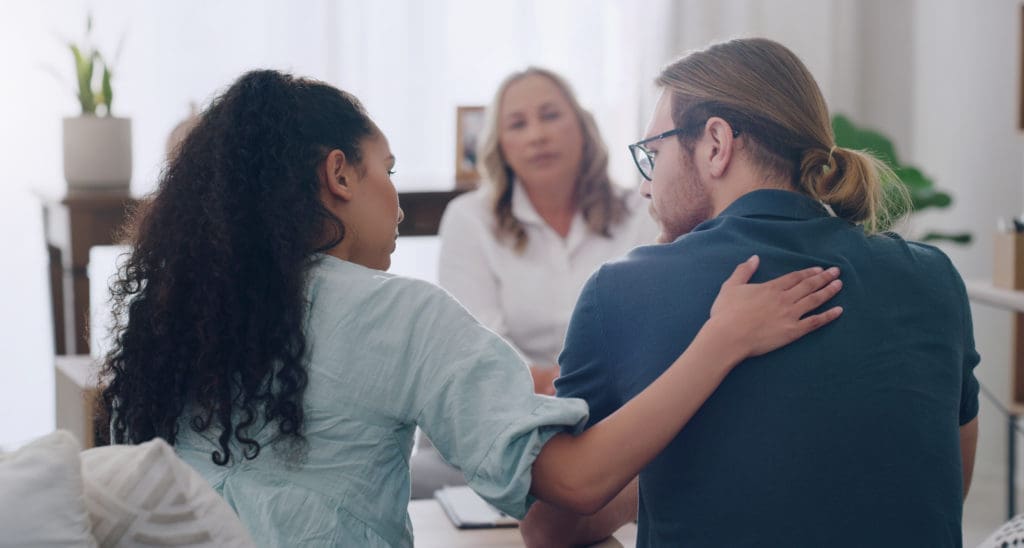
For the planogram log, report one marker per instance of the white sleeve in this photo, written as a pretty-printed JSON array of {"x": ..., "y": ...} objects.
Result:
[{"x": 464, "y": 266}]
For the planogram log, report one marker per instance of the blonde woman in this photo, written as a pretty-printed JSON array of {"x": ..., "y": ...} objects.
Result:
[{"x": 517, "y": 251}]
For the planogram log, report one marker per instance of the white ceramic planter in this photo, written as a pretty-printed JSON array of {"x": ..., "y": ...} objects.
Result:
[{"x": 97, "y": 152}]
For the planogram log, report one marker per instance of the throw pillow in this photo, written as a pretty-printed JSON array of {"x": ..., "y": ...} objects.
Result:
[
  {"x": 145, "y": 495},
  {"x": 41, "y": 495}
]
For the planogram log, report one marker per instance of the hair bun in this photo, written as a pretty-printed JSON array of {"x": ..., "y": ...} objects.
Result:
[{"x": 821, "y": 169}]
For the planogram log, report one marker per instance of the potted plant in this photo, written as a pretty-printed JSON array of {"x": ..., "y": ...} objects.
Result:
[
  {"x": 921, "y": 188},
  {"x": 97, "y": 144}
]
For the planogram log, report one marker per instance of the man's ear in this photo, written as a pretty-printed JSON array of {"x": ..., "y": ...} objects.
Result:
[
  {"x": 722, "y": 145},
  {"x": 337, "y": 174}
]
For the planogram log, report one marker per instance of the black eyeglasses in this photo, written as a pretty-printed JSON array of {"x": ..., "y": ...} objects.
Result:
[{"x": 643, "y": 157}]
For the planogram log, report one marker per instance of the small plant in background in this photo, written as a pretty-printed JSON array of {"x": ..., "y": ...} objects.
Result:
[
  {"x": 921, "y": 188},
  {"x": 93, "y": 74}
]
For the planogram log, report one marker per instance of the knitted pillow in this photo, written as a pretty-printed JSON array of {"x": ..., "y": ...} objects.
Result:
[
  {"x": 41, "y": 495},
  {"x": 146, "y": 495}
]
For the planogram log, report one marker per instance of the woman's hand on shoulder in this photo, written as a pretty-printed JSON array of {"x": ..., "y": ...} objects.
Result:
[{"x": 763, "y": 317}]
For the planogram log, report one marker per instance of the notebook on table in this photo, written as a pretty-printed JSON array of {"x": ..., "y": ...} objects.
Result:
[{"x": 468, "y": 511}]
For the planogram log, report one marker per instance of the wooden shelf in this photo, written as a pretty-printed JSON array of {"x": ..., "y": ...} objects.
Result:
[
  {"x": 79, "y": 220},
  {"x": 1012, "y": 300},
  {"x": 77, "y": 397},
  {"x": 985, "y": 292}
]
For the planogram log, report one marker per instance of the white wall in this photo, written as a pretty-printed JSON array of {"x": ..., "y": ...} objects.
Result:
[
  {"x": 177, "y": 52},
  {"x": 966, "y": 66}
]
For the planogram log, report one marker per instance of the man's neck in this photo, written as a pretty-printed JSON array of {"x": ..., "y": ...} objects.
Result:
[{"x": 728, "y": 191}]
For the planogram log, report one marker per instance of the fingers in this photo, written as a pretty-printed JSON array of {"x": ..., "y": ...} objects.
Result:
[
  {"x": 743, "y": 272},
  {"x": 791, "y": 280},
  {"x": 810, "y": 323},
  {"x": 819, "y": 297},
  {"x": 811, "y": 284}
]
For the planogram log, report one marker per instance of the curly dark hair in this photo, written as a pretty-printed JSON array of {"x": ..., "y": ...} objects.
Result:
[{"x": 210, "y": 303}]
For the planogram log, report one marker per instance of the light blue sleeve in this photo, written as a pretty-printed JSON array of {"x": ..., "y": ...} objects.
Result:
[{"x": 480, "y": 411}]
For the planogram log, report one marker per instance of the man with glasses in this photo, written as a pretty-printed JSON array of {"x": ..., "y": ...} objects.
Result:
[{"x": 861, "y": 434}]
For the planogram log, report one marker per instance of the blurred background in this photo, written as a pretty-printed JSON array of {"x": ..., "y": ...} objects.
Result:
[{"x": 939, "y": 78}]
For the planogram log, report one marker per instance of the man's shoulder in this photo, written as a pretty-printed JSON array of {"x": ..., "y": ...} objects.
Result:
[
  {"x": 662, "y": 275},
  {"x": 924, "y": 259},
  {"x": 923, "y": 250},
  {"x": 690, "y": 253},
  {"x": 642, "y": 260}
]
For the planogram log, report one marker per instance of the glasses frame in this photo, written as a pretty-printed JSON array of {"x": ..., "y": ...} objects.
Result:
[{"x": 639, "y": 146}]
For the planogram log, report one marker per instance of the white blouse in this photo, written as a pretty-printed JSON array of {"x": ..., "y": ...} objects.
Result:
[{"x": 528, "y": 298}]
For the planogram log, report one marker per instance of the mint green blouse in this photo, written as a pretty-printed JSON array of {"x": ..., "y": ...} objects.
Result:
[{"x": 387, "y": 354}]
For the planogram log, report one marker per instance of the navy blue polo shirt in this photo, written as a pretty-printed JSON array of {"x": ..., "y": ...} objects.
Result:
[{"x": 847, "y": 437}]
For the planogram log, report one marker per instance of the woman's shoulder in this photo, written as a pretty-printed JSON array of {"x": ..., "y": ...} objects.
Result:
[
  {"x": 468, "y": 216},
  {"x": 475, "y": 204},
  {"x": 340, "y": 284},
  {"x": 332, "y": 273}
]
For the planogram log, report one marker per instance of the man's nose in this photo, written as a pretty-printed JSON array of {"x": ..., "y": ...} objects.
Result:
[
  {"x": 645, "y": 189},
  {"x": 401, "y": 215}
]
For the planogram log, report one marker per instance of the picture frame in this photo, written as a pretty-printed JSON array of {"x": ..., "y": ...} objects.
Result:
[{"x": 469, "y": 122}]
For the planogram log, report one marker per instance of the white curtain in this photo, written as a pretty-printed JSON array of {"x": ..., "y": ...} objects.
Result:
[
  {"x": 413, "y": 63},
  {"x": 410, "y": 61}
]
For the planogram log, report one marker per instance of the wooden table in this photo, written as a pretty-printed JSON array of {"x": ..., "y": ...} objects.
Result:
[{"x": 432, "y": 529}]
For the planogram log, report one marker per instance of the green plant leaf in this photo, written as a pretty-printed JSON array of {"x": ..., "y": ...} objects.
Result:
[
  {"x": 957, "y": 238},
  {"x": 912, "y": 177},
  {"x": 919, "y": 186},
  {"x": 848, "y": 135},
  {"x": 108, "y": 93},
  {"x": 83, "y": 72}
]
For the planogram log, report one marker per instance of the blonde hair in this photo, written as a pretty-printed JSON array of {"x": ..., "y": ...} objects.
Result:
[
  {"x": 593, "y": 192},
  {"x": 766, "y": 93}
]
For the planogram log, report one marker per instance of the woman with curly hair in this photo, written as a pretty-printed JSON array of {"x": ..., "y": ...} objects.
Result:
[{"x": 261, "y": 338}]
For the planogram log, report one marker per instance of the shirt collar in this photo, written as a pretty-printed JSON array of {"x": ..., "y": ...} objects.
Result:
[
  {"x": 522, "y": 207},
  {"x": 776, "y": 203},
  {"x": 523, "y": 210}
]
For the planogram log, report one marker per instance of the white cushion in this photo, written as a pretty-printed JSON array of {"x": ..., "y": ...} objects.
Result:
[
  {"x": 41, "y": 501},
  {"x": 144, "y": 495},
  {"x": 1010, "y": 533}
]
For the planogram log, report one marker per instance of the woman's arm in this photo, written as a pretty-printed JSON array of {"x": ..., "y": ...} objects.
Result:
[
  {"x": 582, "y": 473},
  {"x": 550, "y": 526}
]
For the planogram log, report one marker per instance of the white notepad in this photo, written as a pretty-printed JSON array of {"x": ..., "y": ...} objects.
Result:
[{"x": 468, "y": 511}]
